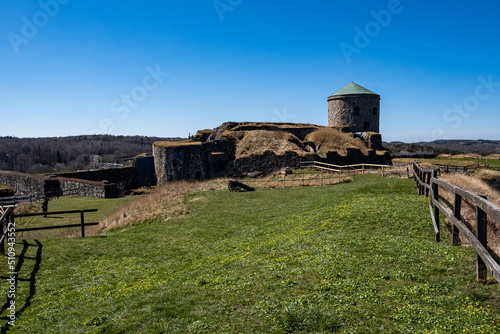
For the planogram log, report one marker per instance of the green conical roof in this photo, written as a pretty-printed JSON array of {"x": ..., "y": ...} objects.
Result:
[{"x": 353, "y": 89}]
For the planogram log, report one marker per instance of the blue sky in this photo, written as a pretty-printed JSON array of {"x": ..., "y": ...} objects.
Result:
[{"x": 169, "y": 68}]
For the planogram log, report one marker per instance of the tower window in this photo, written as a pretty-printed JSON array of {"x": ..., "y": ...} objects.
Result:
[
  {"x": 375, "y": 111},
  {"x": 356, "y": 111},
  {"x": 366, "y": 126}
]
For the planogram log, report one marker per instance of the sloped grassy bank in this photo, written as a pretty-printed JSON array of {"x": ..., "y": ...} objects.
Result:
[{"x": 349, "y": 258}]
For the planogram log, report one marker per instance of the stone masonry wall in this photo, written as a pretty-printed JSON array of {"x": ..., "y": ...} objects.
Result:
[
  {"x": 26, "y": 184},
  {"x": 341, "y": 112},
  {"x": 125, "y": 177},
  {"x": 23, "y": 184},
  {"x": 183, "y": 162},
  {"x": 192, "y": 160}
]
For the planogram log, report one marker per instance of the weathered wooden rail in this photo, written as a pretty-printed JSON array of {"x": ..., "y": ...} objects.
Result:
[
  {"x": 458, "y": 169},
  {"x": 5, "y": 219},
  {"x": 359, "y": 168},
  {"x": 15, "y": 200},
  {"x": 428, "y": 184}
]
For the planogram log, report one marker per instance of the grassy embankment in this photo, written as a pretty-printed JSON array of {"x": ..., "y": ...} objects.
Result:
[{"x": 351, "y": 258}]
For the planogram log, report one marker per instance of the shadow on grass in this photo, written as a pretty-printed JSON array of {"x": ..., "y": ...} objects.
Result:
[{"x": 21, "y": 258}]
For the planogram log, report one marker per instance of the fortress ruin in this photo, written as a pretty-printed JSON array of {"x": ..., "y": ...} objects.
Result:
[{"x": 235, "y": 149}]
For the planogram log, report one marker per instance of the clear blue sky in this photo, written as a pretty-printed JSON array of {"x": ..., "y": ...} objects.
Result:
[{"x": 169, "y": 68}]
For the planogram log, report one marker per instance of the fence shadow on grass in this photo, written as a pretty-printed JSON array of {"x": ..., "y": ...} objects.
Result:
[{"x": 21, "y": 259}]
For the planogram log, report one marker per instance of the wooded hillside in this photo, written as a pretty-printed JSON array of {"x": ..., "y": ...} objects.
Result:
[{"x": 56, "y": 154}]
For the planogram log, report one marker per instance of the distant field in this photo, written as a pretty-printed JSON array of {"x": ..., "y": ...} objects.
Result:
[
  {"x": 450, "y": 162},
  {"x": 356, "y": 257}
]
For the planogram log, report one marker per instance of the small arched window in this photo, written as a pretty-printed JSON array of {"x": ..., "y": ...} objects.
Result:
[
  {"x": 174, "y": 163},
  {"x": 375, "y": 111},
  {"x": 356, "y": 111}
]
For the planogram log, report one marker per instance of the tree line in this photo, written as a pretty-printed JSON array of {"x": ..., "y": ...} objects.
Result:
[
  {"x": 443, "y": 146},
  {"x": 60, "y": 154}
]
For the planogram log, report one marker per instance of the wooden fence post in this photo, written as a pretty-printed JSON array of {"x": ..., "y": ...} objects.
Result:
[
  {"x": 427, "y": 180},
  {"x": 481, "y": 234},
  {"x": 421, "y": 175},
  {"x": 455, "y": 232},
  {"x": 419, "y": 186},
  {"x": 82, "y": 219},
  {"x": 3, "y": 226},
  {"x": 435, "y": 191},
  {"x": 415, "y": 174}
]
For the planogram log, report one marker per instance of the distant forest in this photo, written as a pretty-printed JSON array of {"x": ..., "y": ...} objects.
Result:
[
  {"x": 60, "y": 154},
  {"x": 434, "y": 148}
]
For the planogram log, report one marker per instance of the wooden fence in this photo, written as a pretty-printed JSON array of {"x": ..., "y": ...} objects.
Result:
[
  {"x": 459, "y": 169},
  {"x": 385, "y": 170},
  {"x": 428, "y": 184},
  {"x": 15, "y": 200},
  {"x": 300, "y": 179},
  {"x": 7, "y": 223}
]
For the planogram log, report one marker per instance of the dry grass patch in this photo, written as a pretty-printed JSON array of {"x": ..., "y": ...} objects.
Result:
[
  {"x": 177, "y": 143},
  {"x": 260, "y": 141},
  {"x": 478, "y": 187},
  {"x": 491, "y": 177},
  {"x": 467, "y": 156},
  {"x": 330, "y": 139},
  {"x": 163, "y": 203}
]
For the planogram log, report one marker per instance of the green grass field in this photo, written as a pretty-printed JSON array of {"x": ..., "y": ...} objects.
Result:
[{"x": 350, "y": 258}]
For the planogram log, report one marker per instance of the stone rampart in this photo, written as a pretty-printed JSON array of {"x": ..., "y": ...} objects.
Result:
[
  {"x": 27, "y": 184},
  {"x": 124, "y": 177}
]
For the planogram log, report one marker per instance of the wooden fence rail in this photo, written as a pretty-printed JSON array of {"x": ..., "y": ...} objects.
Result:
[
  {"x": 5, "y": 219},
  {"x": 429, "y": 184},
  {"x": 326, "y": 178},
  {"x": 8, "y": 217},
  {"x": 14, "y": 200},
  {"x": 359, "y": 168}
]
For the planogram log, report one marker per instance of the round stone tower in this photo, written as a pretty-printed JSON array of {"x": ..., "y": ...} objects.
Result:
[{"x": 356, "y": 107}]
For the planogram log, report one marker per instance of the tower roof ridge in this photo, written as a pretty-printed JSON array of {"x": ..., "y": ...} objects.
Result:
[{"x": 353, "y": 89}]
